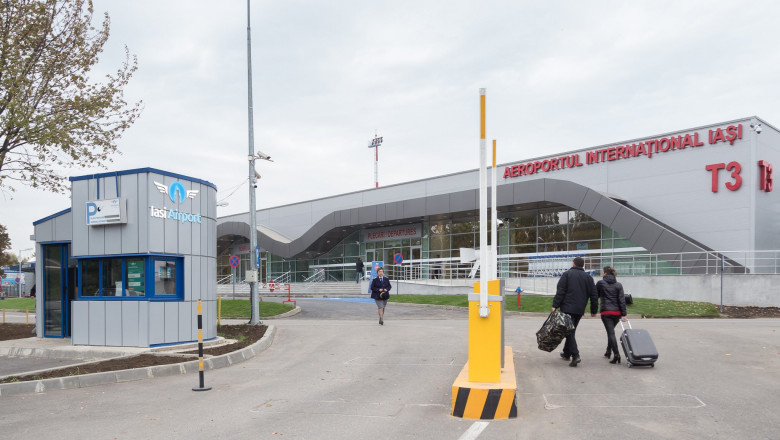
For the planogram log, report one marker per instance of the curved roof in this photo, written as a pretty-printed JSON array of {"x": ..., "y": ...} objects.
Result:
[{"x": 616, "y": 214}]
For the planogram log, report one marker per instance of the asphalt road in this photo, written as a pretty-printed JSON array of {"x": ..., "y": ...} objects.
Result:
[{"x": 333, "y": 373}]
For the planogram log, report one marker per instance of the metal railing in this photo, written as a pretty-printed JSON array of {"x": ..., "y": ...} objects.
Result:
[
  {"x": 282, "y": 279},
  {"x": 227, "y": 279}
]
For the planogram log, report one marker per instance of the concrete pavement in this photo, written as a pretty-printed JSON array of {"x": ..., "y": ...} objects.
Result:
[{"x": 340, "y": 375}]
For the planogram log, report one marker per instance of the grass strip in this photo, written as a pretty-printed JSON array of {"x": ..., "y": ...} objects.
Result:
[
  {"x": 650, "y": 308},
  {"x": 18, "y": 304},
  {"x": 239, "y": 308}
]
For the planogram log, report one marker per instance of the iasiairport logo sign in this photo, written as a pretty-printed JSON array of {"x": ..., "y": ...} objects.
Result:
[{"x": 177, "y": 194}]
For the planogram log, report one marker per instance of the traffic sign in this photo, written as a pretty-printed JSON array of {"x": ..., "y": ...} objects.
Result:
[
  {"x": 398, "y": 258},
  {"x": 234, "y": 261}
]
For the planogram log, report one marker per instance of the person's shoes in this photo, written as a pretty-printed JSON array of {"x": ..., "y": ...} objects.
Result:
[
  {"x": 615, "y": 360},
  {"x": 565, "y": 356},
  {"x": 381, "y": 322},
  {"x": 608, "y": 353},
  {"x": 574, "y": 361}
]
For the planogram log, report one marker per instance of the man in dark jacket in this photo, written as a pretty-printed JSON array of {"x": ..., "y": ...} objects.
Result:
[
  {"x": 358, "y": 270},
  {"x": 574, "y": 290}
]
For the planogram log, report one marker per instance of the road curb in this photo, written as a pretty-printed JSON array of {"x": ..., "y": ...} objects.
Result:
[{"x": 87, "y": 380}]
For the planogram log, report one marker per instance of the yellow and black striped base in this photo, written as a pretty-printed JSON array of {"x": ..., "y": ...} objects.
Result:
[{"x": 485, "y": 400}]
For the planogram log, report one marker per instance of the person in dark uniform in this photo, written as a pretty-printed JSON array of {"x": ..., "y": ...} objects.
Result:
[{"x": 379, "y": 286}]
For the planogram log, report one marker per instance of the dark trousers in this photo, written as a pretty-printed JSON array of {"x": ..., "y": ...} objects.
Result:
[
  {"x": 570, "y": 346},
  {"x": 610, "y": 322}
]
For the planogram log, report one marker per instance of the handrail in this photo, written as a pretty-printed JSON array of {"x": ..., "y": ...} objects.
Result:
[
  {"x": 282, "y": 279},
  {"x": 229, "y": 279}
]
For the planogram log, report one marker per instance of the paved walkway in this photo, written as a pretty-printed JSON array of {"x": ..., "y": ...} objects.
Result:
[{"x": 349, "y": 378}]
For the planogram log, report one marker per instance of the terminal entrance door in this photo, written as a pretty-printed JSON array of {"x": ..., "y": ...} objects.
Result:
[{"x": 59, "y": 289}]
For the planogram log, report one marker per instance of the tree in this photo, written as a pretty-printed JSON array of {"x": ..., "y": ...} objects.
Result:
[
  {"x": 5, "y": 243},
  {"x": 52, "y": 115}
]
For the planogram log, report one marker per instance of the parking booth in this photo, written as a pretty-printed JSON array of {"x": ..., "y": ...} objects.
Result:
[{"x": 127, "y": 262}]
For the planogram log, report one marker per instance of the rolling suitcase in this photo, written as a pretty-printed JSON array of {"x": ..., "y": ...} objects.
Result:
[{"x": 638, "y": 346}]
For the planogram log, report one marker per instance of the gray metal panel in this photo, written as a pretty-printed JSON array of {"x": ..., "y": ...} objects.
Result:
[
  {"x": 212, "y": 237},
  {"x": 204, "y": 238},
  {"x": 185, "y": 237},
  {"x": 464, "y": 201},
  {"x": 156, "y": 323},
  {"x": 394, "y": 210},
  {"x": 439, "y": 204},
  {"x": 114, "y": 323},
  {"x": 97, "y": 240},
  {"x": 143, "y": 323},
  {"x": 564, "y": 192},
  {"x": 211, "y": 281},
  {"x": 646, "y": 234},
  {"x": 142, "y": 192},
  {"x": 204, "y": 268},
  {"x": 668, "y": 242},
  {"x": 157, "y": 226},
  {"x": 129, "y": 191},
  {"x": 505, "y": 195},
  {"x": 171, "y": 322},
  {"x": 79, "y": 326},
  {"x": 606, "y": 211},
  {"x": 113, "y": 239},
  {"x": 209, "y": 319},
  {"x": 590, "y": 202},
  {"x": 130, "y": 322},
  {"x": 197, "y": 230},
  {"x": 381, "y": 213},
  {"x": 529, "y": 192},
  {"x": 626, "y": 221},
  {"x": 414, "y": 208},
  {"x": 44, "y": 231},
  {"x": 97, "y": 322},
  {"x": 171, "y": 227},
  {"x": 191, "y": 278},
  {"x": 79, "y": 197},
  {"x": 367, "y": 214},
  {"x": 185, "y": 322},
  {"x": 193, "y": 318},
  {"x": 63, "y": 227}
]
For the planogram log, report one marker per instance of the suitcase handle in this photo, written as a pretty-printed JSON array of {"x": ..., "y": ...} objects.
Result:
[{"x": 621, "y": 324}]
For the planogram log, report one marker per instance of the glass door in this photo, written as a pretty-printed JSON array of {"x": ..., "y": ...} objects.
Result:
[
  {"x": 415, "y": 265},
  {"x": 57, "y": 291}
]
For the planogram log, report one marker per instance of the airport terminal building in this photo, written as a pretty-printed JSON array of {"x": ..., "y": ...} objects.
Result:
[
  {"x": 127, "y": 262},
  {"x": 678, "y": 202}
]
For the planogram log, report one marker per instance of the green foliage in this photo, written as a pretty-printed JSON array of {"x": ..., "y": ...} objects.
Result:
[
  {"x": 239, "y": 308},
  {"x": 52, "y": 116}
]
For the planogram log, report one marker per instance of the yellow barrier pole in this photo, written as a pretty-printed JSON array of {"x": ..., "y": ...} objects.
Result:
[
  {"x": 219, "y": 309},
  {"x": 3, "y": 316},
  {"x": 27, "y": 317},
  {"x": 202, "y": 386}
]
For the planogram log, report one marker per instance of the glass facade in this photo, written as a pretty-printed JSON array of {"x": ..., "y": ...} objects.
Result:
[{"x": 526, "y": 238}]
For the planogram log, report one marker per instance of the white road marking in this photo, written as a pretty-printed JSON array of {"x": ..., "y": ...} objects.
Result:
[{"x": 474, "y": 431}]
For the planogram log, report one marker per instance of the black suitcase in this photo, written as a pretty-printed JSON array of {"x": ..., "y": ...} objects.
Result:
[{"x": 638, "y": 347}]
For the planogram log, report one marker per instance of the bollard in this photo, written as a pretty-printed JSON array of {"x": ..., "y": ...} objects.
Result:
[
  {"x": 27, "y": 317},
  {"x": 219, "y": 310},
  {"x": 3, "y": 316},
  {"x": 202, "y": 386}
]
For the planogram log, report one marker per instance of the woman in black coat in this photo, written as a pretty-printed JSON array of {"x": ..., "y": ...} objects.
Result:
[{"x": 613, "y": 309}]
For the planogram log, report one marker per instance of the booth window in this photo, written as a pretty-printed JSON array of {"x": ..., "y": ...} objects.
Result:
[{"x": 136, "y": 277}]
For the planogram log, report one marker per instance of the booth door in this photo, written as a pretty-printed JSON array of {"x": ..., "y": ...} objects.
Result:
[{"x": 58, "y": 290}]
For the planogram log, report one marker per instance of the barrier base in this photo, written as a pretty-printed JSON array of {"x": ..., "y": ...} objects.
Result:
[
  {"x": 201, "y": 389},
  {"x": 486, "y": 400}
]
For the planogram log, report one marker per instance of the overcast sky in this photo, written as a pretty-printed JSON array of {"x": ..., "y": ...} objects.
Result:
[{"x": 560, "y": 76}]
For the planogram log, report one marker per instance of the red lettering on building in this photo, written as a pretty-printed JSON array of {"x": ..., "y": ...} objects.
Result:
[
  {"x": 766, "y": 180},
  {"x": 714, "y": 168},
  {"x": 735, "y": 168}
]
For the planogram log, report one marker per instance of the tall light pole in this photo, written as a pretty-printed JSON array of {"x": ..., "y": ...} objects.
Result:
[
  {"x": 254, "y": 298},
  {"x": 375, "y": 143}
]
